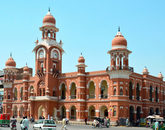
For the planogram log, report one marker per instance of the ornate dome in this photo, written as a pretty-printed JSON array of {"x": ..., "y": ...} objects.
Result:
[
  {"x": 10, "y": 62},
  {"x": 81, "y": 59},
  {"x": 160, "y": 75},
  {"x": 119, "y": 41},
  {"x": 145, "y": 70},
  {"x": 49, "y": 20}
]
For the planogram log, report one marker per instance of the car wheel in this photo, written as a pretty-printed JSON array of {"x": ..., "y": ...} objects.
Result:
[{"x": 40, "y": 129}]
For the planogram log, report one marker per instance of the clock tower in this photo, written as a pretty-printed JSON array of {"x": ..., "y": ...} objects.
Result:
[{"x": 48, "y": 54}]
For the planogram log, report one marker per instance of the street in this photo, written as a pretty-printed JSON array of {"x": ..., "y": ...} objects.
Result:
[{"x": 84, "y": 127}]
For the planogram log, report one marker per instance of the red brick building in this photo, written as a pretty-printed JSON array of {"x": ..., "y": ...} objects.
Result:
[{"x": 117, "y": 92}]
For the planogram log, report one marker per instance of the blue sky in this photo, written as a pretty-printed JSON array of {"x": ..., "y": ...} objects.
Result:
[{"x": 86, "y": 26}]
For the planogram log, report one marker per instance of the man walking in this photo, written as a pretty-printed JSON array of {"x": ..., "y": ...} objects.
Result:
[
  {"x": 25, "y": 123},
  {"x": 63, "y": 124}
]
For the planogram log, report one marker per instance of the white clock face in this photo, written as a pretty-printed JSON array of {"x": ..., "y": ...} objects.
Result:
[
  {"x": 41, "y": 54},
  {"x": 55, "y": 55}
]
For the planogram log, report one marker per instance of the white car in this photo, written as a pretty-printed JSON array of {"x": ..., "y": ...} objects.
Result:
[{"x": 44, "y": 124}]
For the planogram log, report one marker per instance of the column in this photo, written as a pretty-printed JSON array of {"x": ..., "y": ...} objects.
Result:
[{"x": 67, "y": 114}]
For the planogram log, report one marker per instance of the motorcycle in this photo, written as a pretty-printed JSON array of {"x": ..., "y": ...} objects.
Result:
[{"x": 13, "y": 127}]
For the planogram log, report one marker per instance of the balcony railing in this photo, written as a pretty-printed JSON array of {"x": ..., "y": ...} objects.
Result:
[{"x": 109, "y": 68}]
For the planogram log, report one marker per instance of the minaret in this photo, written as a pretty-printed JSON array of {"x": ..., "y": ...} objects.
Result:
[
  {"x": 81, "y": 88},
  {"x": 9, "y": 76},
  {"x": 26, "y": 76},
  {"x": 119, "y": 57}
]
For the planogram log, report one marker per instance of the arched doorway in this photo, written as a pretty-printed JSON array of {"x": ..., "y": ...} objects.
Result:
[
  {"x": 21, "y": 112},
  {"x": 131, "y": 115},
  {"x": 92, "y": 112},
  {"x": 73, "y": 112},
  {"x": 63, "y": 112},
  {"x": 103, "y": 111},
  {"x": 15, "y": 111},
  {"x": 41, "y": 112},
  {"x": 138, "y": 111}
]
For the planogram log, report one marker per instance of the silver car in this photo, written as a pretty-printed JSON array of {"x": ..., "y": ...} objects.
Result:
[{"x": 45, "y": 124}]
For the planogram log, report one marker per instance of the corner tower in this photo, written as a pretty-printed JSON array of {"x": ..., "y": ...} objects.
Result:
[{"x": 119, "y": 63}]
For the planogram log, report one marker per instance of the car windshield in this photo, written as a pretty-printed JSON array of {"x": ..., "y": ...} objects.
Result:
[
  {"x": 49, "y": 122},
  {"x": 40, "y": 122}
]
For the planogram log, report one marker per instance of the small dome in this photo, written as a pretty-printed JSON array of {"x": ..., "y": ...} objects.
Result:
[
  {"x": 160, "y": 75},
  {"x": 10, "y": 62},
  {"x": 145, "y": 70},
  {"x": 49, "y": 20},
  {"x": 81, "y": 59},
  {"x": 119, "y": 41},
  {"x": 26, "y": 68}
]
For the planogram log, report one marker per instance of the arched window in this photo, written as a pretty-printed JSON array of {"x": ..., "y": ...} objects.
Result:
[
  {"x": 114, "y": 91},
  {"x": 114, "y": 111},
  {"x": 73, "y": 91},
  {"x": 104, "y": 89},
  {"x": 130, "y": 90},
  {"x": 91, "y": 90},
  {"x": 43, "y": 91},
  {"x": 138, "y": 92},
  {"x": 42, "y": 67},
  {"x": 63, "y": 91},
  {"x": 15, "y": 93},
  {"x": 54, "y": 93},
  {"x": 156, "y": 94},
  {"x": 151, "y": 93},
  {"x": 21, "y": 93},
  {"x": 157, "y": 111},
  {"x": 121, "y": 91},
  {"x": 151, "y": 111},
  {"x": 40, "y": 91}
]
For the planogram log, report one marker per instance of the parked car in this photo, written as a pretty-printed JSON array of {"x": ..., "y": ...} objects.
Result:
[{"x": 45, "y": 124}]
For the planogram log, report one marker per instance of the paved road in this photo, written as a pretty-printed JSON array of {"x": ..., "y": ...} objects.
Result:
[{"x": 83, "y": 127}]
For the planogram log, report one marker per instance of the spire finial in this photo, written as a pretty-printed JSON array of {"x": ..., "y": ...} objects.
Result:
[
  {"x": 119, "y": 29},
  {"x": 10, "y": 54},
  {"x": 81, "y": 53},
  {"x": 26, "y": 63},
  {"x": 49, "y": 9}
]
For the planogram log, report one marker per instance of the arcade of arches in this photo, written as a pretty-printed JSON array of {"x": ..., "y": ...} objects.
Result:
[{"x": 116, "y": 92}]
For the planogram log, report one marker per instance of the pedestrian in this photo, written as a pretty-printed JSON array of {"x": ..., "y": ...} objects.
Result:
[
  {"x": 13, "y": 123},
  {"x": 64, "y": 124},
  {"x": 25, "y": 123},
  {"x": 156, "y": 125},
  {"x": 127, "y": 121},
  {"x": 161, "y": 125},
  {"x": 86, "y": 121}
]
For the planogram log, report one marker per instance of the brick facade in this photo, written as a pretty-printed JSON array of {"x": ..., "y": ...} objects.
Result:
[{"x": 117, "y": 92}]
